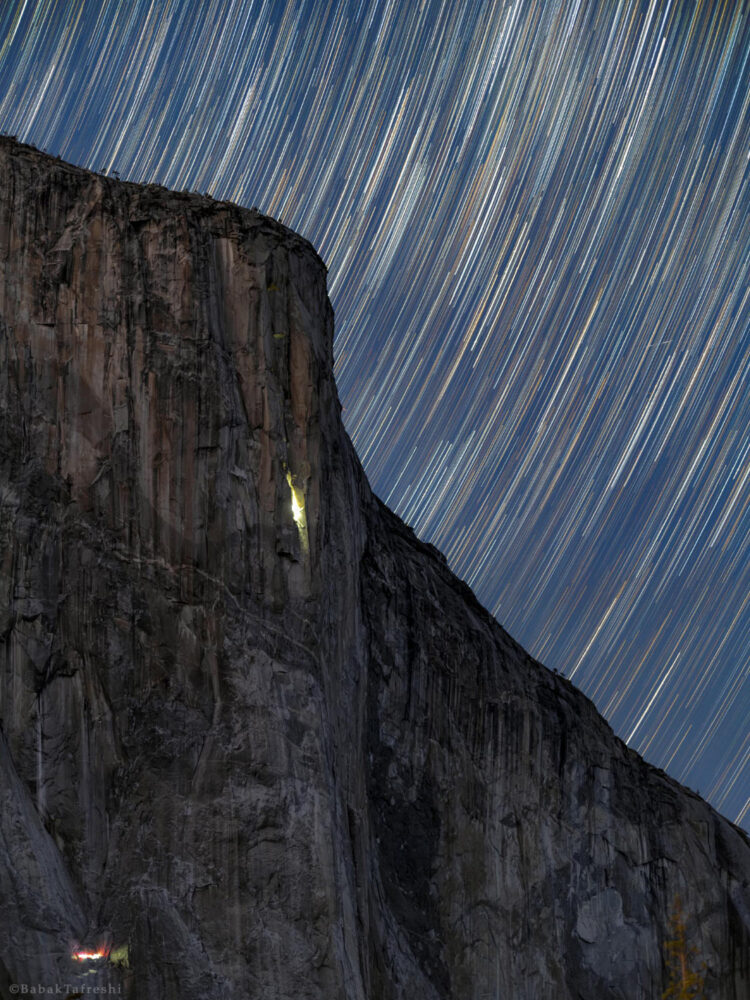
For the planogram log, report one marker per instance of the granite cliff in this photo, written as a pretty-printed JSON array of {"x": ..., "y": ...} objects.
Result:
[{"x": 257, "y": 740}]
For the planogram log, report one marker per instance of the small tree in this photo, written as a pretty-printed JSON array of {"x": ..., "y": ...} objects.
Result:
[{"x": 685, "y": 983}]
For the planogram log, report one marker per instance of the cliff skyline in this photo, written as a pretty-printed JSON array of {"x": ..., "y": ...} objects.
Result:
[
  {"x": 537, "y": 223},
  {"x": 256, "y": 739}
]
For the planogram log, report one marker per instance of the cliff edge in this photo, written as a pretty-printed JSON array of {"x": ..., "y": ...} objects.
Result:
[{"x": 256, "y": 739}]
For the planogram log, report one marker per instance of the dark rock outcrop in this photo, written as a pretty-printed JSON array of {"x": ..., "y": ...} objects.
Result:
[{"x": 257, "y": 740}]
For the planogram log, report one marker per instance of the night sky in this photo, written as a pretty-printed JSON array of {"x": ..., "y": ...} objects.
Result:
[{"x": 536, "y": 218}]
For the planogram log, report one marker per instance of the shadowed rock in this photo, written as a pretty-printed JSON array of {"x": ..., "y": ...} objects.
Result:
[{"x": 253, "y": 731}]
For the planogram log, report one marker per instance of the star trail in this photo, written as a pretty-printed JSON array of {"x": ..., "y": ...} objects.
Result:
[{"x": 536, "y": 217}]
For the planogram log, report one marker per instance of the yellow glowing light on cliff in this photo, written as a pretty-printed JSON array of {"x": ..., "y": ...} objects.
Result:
[
  {"x": 298, "y": 510},
  {"x": 119, "y": 956},
  {"x": 88, "y": 956}
]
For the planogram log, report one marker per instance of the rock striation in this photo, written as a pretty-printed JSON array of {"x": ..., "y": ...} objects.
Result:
[{"x": 257, "y": 740}]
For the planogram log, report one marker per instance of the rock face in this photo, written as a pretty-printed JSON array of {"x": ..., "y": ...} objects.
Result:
[{"x": 257, "y": 740}]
